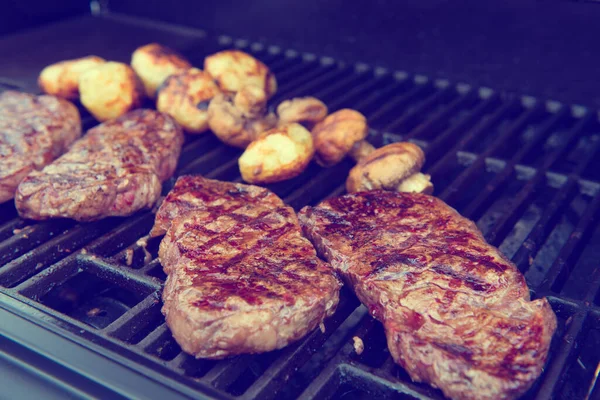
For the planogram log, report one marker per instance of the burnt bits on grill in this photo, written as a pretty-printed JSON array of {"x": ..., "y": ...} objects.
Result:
[
  {"x": 241, "y": 277},
  {"x": 115, "y": 170},
  {"x": 456, "y": 312},
  {"x": 34, "y": 130}
]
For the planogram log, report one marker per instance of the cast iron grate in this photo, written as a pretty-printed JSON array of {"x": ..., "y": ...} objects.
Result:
[{"x": 523, "y": 169}]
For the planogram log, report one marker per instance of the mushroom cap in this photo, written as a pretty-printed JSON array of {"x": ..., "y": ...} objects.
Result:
[
  {"x": 386, "y": 167},
  {"x": 251, "y": 101},
  {"x": 231, "y": 126},
  {"x": 234, "y": 69},
  {"x": 109, "y": 90},
  {"x": 304, "y": 110},
  {"x": 154, "y": 63},
  {"x": 336, "y": 134},
  {"x": 182, "y": 96},
  {"x": 62, "y": 79},
  {"x": 278, "y": 154}
]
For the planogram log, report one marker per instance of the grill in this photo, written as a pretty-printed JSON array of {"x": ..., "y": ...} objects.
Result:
[{"x": 80, "y": 303}]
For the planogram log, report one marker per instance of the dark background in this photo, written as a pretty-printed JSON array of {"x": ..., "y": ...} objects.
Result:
[{"x": 546, "y": 48}]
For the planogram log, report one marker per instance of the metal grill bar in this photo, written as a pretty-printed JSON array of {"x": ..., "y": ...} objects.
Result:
[{"x": 451, "y": 192}]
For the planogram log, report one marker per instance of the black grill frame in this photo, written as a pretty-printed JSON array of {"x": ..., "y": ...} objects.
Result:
[{"x": 466, "y": 132}]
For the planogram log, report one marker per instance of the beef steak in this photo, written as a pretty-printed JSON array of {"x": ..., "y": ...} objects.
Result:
[
  {"x": 34, "y": 130},
  {"x": 116, "y": 169},
  {"x": 241, "y": 277},
  {"x": 456, "y": 312}
]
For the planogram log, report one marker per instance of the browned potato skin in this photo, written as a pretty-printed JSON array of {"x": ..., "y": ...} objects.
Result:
[
  {"x": 234, "y": 69},
  {"x": 336, "y": 134},
  {"x": 185, "y": 95},
  {"x": 267, "y": 159},
  {"x": 110, "y": 90},
  {"x": 231, "y": 126},
  {"x": 303, "y": 110},
  {"x": 62, "y": 78},
  {"x": 387, "y": 168},
  {"x": 154, "y": 63}
]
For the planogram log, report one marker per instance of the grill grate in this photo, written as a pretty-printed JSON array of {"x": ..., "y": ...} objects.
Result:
[{"x": 523, "y": 169}]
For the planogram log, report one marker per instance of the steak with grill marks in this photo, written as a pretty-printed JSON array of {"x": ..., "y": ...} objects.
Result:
[
  {"x": 115, "y": 170},
  {"x": 34, "y": 130},
  {"x": 456, "y": 312},
  {"x": 241, "y": 277}
]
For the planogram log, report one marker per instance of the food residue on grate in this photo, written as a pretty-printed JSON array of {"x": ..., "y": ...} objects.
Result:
[
  {"x": 359, "y": 346},
  {"x": 129, "y": 257},
  {"x": 322, "y": 327},
  {"x": 143, "y": 242}
]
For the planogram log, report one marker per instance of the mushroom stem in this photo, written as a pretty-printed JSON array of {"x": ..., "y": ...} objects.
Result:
[{"x": 360, "y": 150}]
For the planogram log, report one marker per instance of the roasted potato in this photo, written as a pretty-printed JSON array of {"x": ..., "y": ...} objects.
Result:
[
  {"x": 62, "y": 78},
  {"x": 337, "y": 134},
  {"x": 110, "y": 90},
  {"x": 234, "y": 69},
  {"x": 230, "y": 124},
  {"x": 278, "y": 154},
  {"x": 185, "y": 96},
  {"x": 303, "y": 110},
  {"x": 154, "y": 63}
]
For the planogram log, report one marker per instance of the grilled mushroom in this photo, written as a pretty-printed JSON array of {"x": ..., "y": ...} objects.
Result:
[
  {"x": 185, "y": 96},
  {"x": 154, "y": 63},
  {"x": 277, "y": 154},
  {"x": 303, "y": 110},
  {"x": 234, "y": 69},
  {"x": 337, "y": 134},
  {"x": 239, "y": 126},
  {"x": 110, "y": 90},
  {"x": 62, "y": 79},
  {"x": 392, "y": 167}
]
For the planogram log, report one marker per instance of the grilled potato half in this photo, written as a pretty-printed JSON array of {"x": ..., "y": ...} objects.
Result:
[
  {"x": 234, "y": 69},
  {"x": 154, "y": 63},
  {"x": 62, "y": 78},
  {"x": 185, "y": 96},
  {"x": 110, "y": 90},
  {"x": 278, "y": 154}
]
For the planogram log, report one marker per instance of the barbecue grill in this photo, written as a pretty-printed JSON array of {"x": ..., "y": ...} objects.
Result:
[{"x": 80, "y": 302}]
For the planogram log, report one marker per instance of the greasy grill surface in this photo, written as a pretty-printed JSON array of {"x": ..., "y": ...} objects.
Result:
[{"x": 523, "y": 170}]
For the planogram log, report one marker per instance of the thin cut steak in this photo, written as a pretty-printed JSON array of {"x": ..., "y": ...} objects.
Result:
[
  {"x": 34, "y": 130},
  {"x": 115, "y": 170},
  {"x": 241, "y": 277},
  {"x": 456, "y": 312}
]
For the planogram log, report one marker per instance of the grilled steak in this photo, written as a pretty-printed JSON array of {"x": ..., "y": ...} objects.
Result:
[
  {"x": 241, "y": 277},
  {"x": 34, "y": 130},
  {"x": 456, "y": 312},
  {"x": 115, "y": 170}
]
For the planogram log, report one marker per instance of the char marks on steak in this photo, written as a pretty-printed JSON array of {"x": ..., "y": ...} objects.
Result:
[
  {"x": 456, "y": 312},
  {"x": 34, "y": 130},
  {"x": 115, "y": 170},
  {"x": 241, "y": 277}
]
